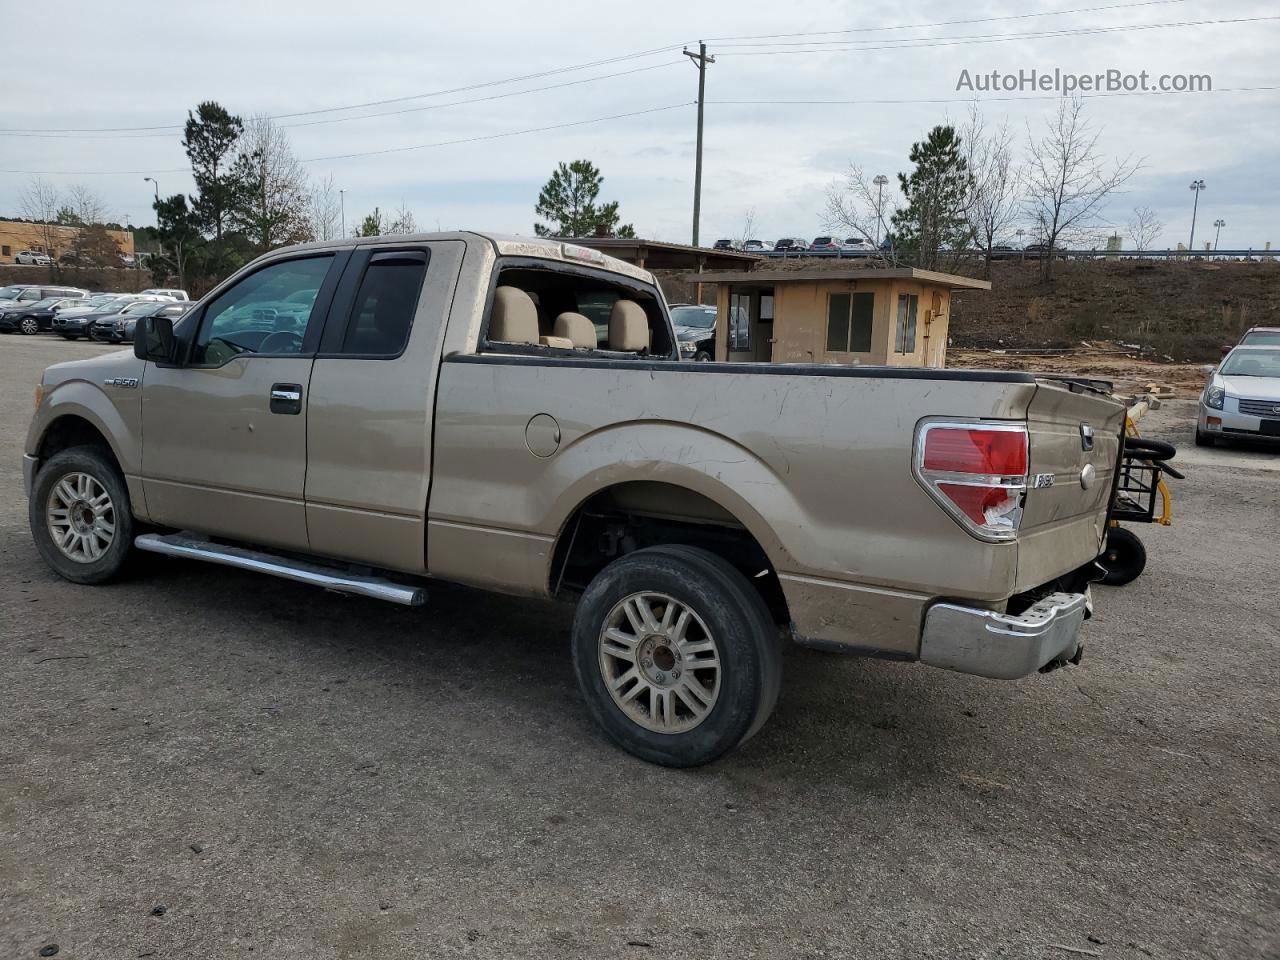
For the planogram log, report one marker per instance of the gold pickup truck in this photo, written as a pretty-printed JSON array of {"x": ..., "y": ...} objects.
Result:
[{"x": 513, "y": 414}]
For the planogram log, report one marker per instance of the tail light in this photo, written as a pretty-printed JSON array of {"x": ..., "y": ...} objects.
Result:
[{"x": 977, "y": 472}]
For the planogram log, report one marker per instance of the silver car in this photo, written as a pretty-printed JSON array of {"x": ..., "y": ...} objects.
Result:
[{"x": 1242, "y": 398}]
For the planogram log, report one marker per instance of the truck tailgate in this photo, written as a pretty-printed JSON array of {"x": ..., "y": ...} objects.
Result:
[{"x": 1074, "y": 449}]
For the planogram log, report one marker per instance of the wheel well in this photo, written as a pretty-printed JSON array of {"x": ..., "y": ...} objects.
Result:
[
  {"x": 631, "y": 516},
  {"x": 72, "y": 431}
]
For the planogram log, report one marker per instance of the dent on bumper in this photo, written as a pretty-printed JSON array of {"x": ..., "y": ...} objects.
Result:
[{"x": 1000, "y": 646}]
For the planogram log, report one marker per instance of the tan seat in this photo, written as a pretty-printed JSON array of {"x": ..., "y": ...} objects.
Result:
[
  {"x": 576, "y": 327},
  {"x": 560, "y": 343},
  {"x": 628, "y": 327},
  {"x": 515, "y": 318}
]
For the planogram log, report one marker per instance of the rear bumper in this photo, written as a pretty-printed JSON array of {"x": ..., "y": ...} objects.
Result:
[{"x": 1003, "y": 647}]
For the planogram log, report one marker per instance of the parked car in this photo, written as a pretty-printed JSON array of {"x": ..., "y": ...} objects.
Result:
[
  {"x": 33, "y": 257},
  {"x": 34, "y": 317},
  {"x": 1002, "y": 251},
  {"x": 791, "y": 245},
  {"x": 1242, "y": 398},
  {"x": 119, "y": 327},
  {"x": 757, "y": 246},
  {"x": 825, "y": 243},
  {"x": 858, "y": 245},
  {"x": 31, "y": 292},
  {"x": 1035, "y": 250},
  {"x": 695, "y": 328},
  {"x": 1261, "y": 337},
  {"x": 692, "y": 517},
  {"x": 128, "y": 260},
  {"x": 74, "y": 323},
  {"x": 169, "y": 292},
  {"x": 724, "y": 245}
]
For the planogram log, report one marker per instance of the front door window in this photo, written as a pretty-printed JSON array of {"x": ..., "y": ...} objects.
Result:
[{"x": 268, "y": 312}]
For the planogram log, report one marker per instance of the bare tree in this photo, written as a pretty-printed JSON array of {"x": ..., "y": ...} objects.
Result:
[
  {"x": 403, "y": 221},
  {"x": 1144, "y": 228},
  {"x": 276, "y": 210},
  {"x": 324, "y": 209},
  {"x": 748, "y": 229},
  {"x": 88, "y": 213},
  {"x": 993, "y": 202},
  {"x": 39, "y": 203},
  {"x": 856, "y": 207},
  {"x": 1068, "y": 180}
]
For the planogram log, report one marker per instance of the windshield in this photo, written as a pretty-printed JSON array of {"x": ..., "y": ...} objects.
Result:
[
  {"x": 1261, "y": 338},
  {"x": 704, "y": 318},
  {"x": 47, "y": 302},
  {"x": 10, "y": 293},
  {"x": 145, "y": 307},
  {"x": 1252, "y": 363}
]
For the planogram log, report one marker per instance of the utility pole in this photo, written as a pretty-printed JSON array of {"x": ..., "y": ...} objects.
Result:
[
  {"x": 700, "y": 60},
  {"x": 342, "y": 205},
  {"x": 880, "y": 180},
  {"x": 1218, "y": 225}
]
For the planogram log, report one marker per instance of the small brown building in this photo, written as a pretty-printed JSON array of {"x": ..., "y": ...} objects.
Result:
[
  {"x": 18, "y": 235},
  {"x": 896, "y": 317}
]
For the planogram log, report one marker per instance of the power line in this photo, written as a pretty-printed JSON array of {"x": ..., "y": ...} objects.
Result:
[
  {"x": 370, "y": 116},
  {"x": 1049, "y": 96},
  {"x": 917, "y": 43},
  {"x": 371, "y": 103},
  {"x": 371, "y": 153},
  {"x": 945, "y": 23}
]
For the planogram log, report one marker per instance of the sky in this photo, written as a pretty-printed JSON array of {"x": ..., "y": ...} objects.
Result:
[{"x": 73, "y": 115}]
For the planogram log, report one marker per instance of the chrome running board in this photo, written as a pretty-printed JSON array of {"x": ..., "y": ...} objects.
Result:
[{"x": 193, "y": 548}]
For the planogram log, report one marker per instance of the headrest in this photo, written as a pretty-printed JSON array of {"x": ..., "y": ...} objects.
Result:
[
  {"x": 577, "y": 328},
  {"x": 628, "y": 327},
  {"x": 515, "y": 318}
]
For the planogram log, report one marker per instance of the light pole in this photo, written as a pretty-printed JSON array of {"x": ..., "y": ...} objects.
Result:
[
  {"x": 155, "y": 183},
  {"x": 1020, "y": 233},
  {"x": 1218, "y": 225},
  {"x": 1196, "y": 187},
  {"x": 880, "y": 180},
  {"x": 342, "y": 206}
]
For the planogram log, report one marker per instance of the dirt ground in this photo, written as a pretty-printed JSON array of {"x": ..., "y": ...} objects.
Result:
[
  {"x": 1128, "y": 371},
  {"x": 201, "y": 763}
]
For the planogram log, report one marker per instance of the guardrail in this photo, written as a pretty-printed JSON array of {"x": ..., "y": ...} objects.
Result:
[{"x": 1248, "y": 254}]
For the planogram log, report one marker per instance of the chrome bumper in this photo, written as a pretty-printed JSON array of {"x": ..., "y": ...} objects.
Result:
[
  {"x": 29, "y": 466},
  {"x": 990, "y": 644}
]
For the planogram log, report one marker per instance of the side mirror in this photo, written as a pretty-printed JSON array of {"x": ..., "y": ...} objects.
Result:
[{"x": 153, "y": 340}]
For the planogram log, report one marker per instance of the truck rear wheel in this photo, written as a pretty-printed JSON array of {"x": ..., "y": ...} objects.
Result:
[
  {"x": 1124, "y": 558},
  {"x": 676, "y": 655},
  {"x": 80, "y": 516}
]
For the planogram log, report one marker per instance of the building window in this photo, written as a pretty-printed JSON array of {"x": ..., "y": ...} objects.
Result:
[
  {"x": 740, "y": 321},
  {"x": 849, "y": 322},
  {"x": 906, "y": 339},
  {"x": 4, "y": 250}
]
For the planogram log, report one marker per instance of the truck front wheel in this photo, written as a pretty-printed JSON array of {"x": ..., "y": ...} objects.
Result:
[
  {"x": 80, "y": 515},
  {"x": 676, "y": 655}
]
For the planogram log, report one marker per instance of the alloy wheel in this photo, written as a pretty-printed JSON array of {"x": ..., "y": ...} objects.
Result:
[
  {"x": 660, "y": 663},
  {"x": 81, "y": 517}
]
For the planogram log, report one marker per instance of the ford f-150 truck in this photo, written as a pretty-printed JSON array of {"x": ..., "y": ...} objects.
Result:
[{"x": 514, "y": 414}]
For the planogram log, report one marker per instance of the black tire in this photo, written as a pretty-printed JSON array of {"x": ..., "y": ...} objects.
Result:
[
  {"x": 1124, "y": 557},
  {"x": 1204, "y": 440},
  {"x": 1150, "y": 449},
  {"x": 734, "y": 613},
  {"x": 702, "y": 355},
  {"x": 99, "y": 466}
]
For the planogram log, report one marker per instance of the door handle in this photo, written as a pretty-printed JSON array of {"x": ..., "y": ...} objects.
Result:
[{"x": 286, "y": 398}]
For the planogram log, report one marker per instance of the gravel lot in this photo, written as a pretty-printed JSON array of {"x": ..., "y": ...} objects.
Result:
[{"x": 203, "y": 763}]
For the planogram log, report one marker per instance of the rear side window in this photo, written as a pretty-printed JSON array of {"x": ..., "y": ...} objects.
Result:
[{"x": 385, "y": 304}]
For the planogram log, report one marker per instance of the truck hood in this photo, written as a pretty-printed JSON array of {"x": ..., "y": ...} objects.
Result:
[
  {"x": 1252, "y": 388},
  {"x": 121, "y": 363}
]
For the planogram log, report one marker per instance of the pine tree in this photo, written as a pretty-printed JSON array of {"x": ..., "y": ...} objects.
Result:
[
  {"x": 569, "y": 200},
  {"x": 937, "y": 194}
]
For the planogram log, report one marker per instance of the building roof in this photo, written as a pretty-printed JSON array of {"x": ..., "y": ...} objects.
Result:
[
  {"x": 658, "y": 255},
  {"x": 812, "y": 274}
]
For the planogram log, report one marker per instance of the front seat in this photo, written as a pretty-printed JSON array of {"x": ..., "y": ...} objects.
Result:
[
  {"x": 514, "y": 318},
  {"x": 628, "y": 327},
  {"x": 576, "y": 328}
]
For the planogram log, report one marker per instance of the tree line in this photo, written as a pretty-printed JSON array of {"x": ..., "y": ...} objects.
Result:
[{"x": 969, "y": 189}]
